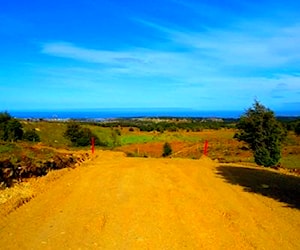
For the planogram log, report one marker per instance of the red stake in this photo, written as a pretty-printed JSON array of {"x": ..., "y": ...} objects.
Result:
[
  {"x": 93, "y": 144},
  {"x": 205, "y": 148}
]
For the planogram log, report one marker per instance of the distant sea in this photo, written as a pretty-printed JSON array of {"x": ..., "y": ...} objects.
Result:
[{"x": 103, "y": 114}]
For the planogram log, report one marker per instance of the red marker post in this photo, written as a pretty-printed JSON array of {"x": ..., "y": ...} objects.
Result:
[
  {"x": 93, "y": 145},
  {"x": 205, "y": 148}
]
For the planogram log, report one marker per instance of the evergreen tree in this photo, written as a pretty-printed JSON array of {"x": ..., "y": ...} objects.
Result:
[{"x": 259, "y": 128}]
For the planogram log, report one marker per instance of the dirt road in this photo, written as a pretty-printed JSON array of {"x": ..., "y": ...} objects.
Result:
[{"x": 114, "y": 202}]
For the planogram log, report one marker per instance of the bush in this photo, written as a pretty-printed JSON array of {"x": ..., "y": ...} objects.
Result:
[
  {"x": 84, "y": 138},
  {"x": 297, "y": 129},
  {"x": 259, "y": 128},
  {"x": 31, "y": 135},
  {"x": 79, "y": 136},
  {"x": 73, "y": 132},
  {"x": 167, "y": 150},
  {"x": 10, "y": 128}
]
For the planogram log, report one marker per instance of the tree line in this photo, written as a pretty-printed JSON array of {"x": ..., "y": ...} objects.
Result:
[{"x": 167, "y": 124}]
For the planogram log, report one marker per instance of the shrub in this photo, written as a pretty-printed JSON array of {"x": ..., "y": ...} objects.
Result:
[
  {"x": 167, "y": 150},
  {"x": 31, "y": 135},
  {"x": 10, "y": 128},
  {"x": 79, "y": 136},
  {"x": 297, "y": 129},
  {"x": 73, "y": 132}
]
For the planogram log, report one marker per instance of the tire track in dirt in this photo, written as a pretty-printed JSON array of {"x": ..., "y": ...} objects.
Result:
[{"x": 114, "y": 202}]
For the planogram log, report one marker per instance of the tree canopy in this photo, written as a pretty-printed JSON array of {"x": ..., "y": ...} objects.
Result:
[
  {"x": 80, "y": 136},
  {"x": 10, "y": 128},
  {"x": 259, "y": 128}
]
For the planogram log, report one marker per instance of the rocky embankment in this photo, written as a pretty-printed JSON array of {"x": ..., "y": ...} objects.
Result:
[{"x": 25, "y": 167}]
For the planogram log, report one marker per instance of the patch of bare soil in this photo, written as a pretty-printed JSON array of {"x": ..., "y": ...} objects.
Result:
[
  {"x": 115, "y": 202},
  {"x": 154, "y": 149}
]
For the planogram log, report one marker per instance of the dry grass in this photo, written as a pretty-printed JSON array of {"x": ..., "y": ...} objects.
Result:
[
  {"x": 221, "y": 146},
  {"x": 14, "y": 197}
]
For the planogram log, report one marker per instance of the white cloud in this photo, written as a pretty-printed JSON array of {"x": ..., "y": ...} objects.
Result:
[
  {"x": 245, "y": 46},
  {"x": 69, "y": 50},
  {"x": 258, "y": 44},
  {"x": 135, "y": 61},
  {"x": 214, "y": 63}
]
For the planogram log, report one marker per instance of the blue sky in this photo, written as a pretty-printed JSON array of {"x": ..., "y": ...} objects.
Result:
[{"x": 207, "y": 55}]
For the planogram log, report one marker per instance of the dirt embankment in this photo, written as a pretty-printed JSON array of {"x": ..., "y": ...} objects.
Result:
[
  {"x": 21, "y": 179},
  {"x": 26, "y": 167},
  {"x": 114, "y": 202}
]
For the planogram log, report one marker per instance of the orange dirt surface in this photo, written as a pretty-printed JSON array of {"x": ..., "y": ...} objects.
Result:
[
  {"x": 152, "y": 149},
  {"x": 115, "y": 202}
]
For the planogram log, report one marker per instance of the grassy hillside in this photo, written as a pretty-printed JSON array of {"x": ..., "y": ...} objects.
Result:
[{"x": 51, "y": 133}]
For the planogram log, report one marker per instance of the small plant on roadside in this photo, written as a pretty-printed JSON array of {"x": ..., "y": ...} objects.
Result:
[{"x": 167, "y": 150}]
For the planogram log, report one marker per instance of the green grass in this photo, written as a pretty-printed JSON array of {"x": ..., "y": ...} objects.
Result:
[
  {"x": 15, "y": 151},
  {"x": 8, "y": 149},
  {"x": 192, "y": 137},
  {"x": 148, "y": 137},
  {"x": 136, "y": 139},
  {"x": 291, "y": 161},
  {"x": 51, "y": 133},
  {"x": 291, "y": 151},
  {"x": 105, "y": 135}
]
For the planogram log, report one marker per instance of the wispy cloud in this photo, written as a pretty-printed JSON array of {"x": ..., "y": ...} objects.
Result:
[
  {"x": 134, "y": 61},
  {"x": 69, "y": 50},
  {"x": 251, "y": 46},
  {"x": 254, "y": 44},
  {"x": 247, "y": 60}
]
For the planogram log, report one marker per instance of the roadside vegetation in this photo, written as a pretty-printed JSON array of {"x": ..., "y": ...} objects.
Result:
[
  {"x": 27, "y": 149},
  {"x": 40, "y": 141},
  {"x": 167, "y": 150}
]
